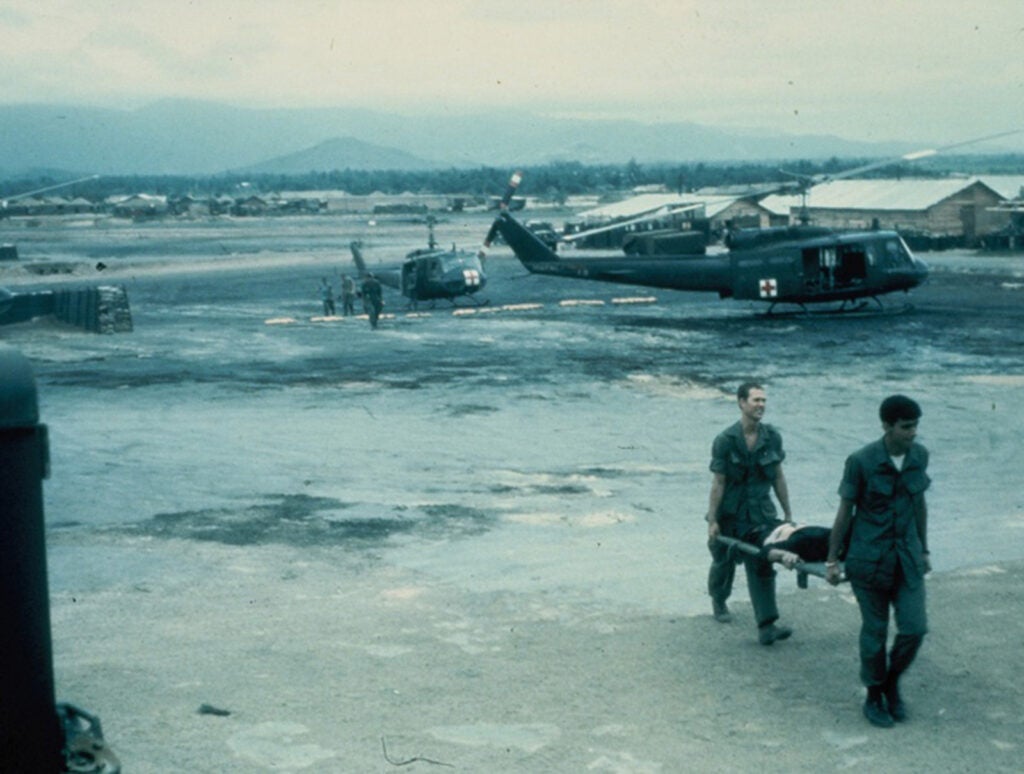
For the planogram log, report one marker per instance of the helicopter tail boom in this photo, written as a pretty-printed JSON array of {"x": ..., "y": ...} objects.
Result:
[
  {"x": 527, "y": 246},
  {"x": 696, "y": 272},
  {"x": 390, "y": 278},
  {"x": 357, "y": 258}
]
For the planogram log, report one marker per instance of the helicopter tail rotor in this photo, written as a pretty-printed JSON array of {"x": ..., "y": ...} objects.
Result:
[{"x": 513, "y": 184}]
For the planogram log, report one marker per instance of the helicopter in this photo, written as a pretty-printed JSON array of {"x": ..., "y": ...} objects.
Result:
[
  {"x": 797, "y": 265},
  {"x": 431, "y": 273}
]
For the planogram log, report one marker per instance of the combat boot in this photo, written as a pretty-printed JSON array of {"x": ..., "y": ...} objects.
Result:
[
  {"x": 875, "y": 711},
  {"x": 721, "y": 611}
]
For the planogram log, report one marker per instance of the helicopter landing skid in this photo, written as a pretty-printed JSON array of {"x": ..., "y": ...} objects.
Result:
[
  {"x": 860, "y": 308},
  {"x": 472, "y": 302},
  {"x": 455, "y": 304}
]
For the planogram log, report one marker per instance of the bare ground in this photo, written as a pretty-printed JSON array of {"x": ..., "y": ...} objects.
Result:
[{"x": 337, "y": 662}]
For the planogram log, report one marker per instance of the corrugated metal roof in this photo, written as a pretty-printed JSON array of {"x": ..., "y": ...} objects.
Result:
[
  {"x": 1008, "y": 186},
  {"x": 905, "y": 195},
  {"x": 780, "y": 205},
  {"x": 715, "y": 208},
  {"x": 645, "y": 204},
  {"x": 635, "y": 206}
]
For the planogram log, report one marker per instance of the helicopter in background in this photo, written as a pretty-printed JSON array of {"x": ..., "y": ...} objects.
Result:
[
  {"x": 797, "y": 265},
  {"x": 431, "y": 273}
]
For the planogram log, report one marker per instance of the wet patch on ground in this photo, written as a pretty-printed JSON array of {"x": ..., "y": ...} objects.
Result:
[
  {"x": 302, "y": 520},
  {"x": 469, "y": 409},
  {"x": 452, "y": 520},
  {"x": 544, "y": 489},
  {"x": 585, "y": 482}
]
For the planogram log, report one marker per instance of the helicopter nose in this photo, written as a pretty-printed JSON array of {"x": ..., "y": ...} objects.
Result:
[
  {"x": 920, "y": 269},
  {"x": 472, "y": 278}
]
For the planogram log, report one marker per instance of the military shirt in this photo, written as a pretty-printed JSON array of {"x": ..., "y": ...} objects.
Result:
[
  {"x": 749, "y": 477},
  {"x": 883, "y": 534}
]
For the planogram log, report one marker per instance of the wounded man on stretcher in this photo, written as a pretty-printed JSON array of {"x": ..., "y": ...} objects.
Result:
[{"x": 794, "y": 546}]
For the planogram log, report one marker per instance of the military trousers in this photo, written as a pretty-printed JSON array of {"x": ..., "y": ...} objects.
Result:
[
  {"x": 760, "y": 582},
  {"x": 908, "y": 604}
]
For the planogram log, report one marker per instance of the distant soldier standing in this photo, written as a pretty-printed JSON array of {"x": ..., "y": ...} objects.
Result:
[
  {"x": 327, "y": 296},
  {"x": 373, "y": 298},
  {"x": 348, "y": 295}
]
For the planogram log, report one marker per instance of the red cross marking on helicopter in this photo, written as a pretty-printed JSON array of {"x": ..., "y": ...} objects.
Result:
[{"x": 769, "y": 289}]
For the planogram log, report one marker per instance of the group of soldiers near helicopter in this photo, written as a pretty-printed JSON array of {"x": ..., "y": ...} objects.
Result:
[{"x": 371, "y": 293}]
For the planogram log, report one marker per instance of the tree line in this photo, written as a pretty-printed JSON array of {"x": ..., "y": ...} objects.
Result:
[{"x": 555, "y": 181}]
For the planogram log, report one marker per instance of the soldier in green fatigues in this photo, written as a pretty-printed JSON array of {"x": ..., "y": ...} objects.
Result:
[
  {"x": 746, "y": 465},
  {"x": 883, "y": 522},
  {"x": 327, "y": 296},
  {"x": 348, "y": 295},
  {"x": 373, "y": 298}
]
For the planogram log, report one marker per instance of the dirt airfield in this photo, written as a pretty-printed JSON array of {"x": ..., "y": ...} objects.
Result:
[{"x": 473, "y": 543}]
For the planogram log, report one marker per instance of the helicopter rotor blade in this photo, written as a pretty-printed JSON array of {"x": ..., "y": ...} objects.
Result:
[
  {"x": 911, "y": 156},
  {"x": 805, "y": 183},
  {"x": 25, "y": 195}
]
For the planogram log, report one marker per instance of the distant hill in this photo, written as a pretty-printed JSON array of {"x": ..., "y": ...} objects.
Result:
[
  {"x": 185, "y": 137},
  {"x": 340, "y": 154}
]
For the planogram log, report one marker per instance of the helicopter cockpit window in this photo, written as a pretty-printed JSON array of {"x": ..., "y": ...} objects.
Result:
[
  {"x": 897, "y": 254},
  {"x": 459, "y": 261},
  {"x": 449, "y": 262}
]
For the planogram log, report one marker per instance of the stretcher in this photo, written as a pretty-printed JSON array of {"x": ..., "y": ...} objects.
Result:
[{"x": 802, "y": 568}]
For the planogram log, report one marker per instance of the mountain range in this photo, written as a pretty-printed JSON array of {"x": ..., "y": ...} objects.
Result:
[{"x": 186, "y": 137}]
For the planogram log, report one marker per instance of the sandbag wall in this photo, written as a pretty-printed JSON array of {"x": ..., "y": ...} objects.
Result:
[{"x": 100, "y": 309}]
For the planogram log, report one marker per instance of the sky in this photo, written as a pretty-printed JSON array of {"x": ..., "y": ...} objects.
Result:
[{"x": 932, "y": 71}]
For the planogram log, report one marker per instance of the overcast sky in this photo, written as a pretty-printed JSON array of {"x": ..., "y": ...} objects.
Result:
[{"x": 930, "y": 71}]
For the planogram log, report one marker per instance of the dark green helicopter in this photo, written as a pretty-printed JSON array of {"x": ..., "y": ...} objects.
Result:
[
  {"x": 784, "y": 265},
  {"x": 431, "y": 273},
  {"x": 799, "y": 264}
]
